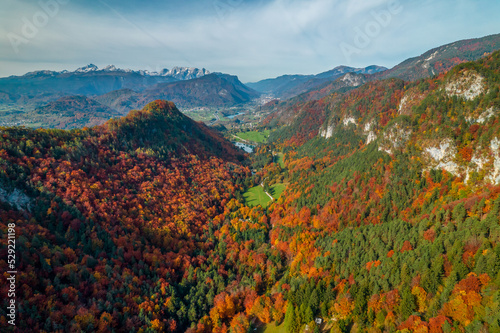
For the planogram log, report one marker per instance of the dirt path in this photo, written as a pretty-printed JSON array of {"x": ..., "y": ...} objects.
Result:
[{"x": 270, "y": 196}]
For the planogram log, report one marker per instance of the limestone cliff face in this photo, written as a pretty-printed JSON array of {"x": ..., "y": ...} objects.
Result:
[
  {"x": 327, "y": 132},
  {"x": 467, "y": 84},
  {"x": 442, "y": 156},
  {"x": 481, "y": 116},
  {"x": 369, "y": 132},
  {"x": 484, "y": 165},
  {"x": 494, "y": 160},
  {"x": 394, "y": 137},
  {"x": 353, "y": 80},
  {"x": 349, "y": 120},
  {"x": 411, "y": 98}
]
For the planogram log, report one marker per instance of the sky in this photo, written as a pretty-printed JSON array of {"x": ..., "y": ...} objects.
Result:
[{"x": 254, "y": 39}]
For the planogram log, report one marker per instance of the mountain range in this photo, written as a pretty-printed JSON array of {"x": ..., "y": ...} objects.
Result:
[
  {"x": 287, "y": 86},
  {"x": 215, "y": 90},
  {"x": 433, "y": 62},
  {"x": 123, "y": 90},
  {"x": 77, "y": 111},
  {"x": 443, "y": 58},
  {"x": 114, "y": 92},
  {"x": 90, "y": 80}
]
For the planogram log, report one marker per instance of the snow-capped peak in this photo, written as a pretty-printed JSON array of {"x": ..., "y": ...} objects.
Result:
[
  {"x": 186, "y": 73},
  {"x": 111, "y": 68},
  {"x": 88, "y": 68},
  {"x": 179, "y": 73}
]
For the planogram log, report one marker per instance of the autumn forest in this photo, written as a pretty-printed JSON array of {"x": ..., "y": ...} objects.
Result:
[{"x": 389, "y": 220}]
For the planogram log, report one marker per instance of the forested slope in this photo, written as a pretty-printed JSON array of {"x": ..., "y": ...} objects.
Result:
[
  {"x": 112, "y": 221},
  {"x": 391, "y": 217}
]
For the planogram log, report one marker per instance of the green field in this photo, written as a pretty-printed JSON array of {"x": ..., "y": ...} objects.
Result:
[
  {"x": 277, "y": 190},
  {"x": 254, "y": 136},
  {"x": 256, "y": 196},
  {"x": 272, "y": 328},
  {"x": 281, "y": 160}
]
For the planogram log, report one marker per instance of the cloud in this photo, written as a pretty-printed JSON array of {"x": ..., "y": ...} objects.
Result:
[
  {"x": 253, "y": 39},
  {"x": 355, "y": 7}
]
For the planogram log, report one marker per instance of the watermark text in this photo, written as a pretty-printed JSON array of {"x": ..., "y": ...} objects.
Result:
[
  {"x": 11, "y": 274},
  {"x": 371, "y": 30},
  {"x": 31, "y": 25}
]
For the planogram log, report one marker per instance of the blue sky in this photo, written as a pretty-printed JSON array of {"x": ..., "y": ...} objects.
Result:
[{"x": 253, "y": 39}]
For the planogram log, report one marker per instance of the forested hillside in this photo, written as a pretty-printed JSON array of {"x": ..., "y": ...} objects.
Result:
[
  {"x": 112, "y": 221},
  {"x": 391, "y": 217}
]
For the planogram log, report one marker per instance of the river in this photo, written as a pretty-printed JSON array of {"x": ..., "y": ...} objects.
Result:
[{"x": 235, "y": 115}]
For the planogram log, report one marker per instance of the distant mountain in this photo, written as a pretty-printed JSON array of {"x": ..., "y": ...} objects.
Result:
[
  {"x": 278, "y": 85},
  {"x": 213, "y": 90},
  {"x": 283, "y": 112},
  {"x": 185, "y": 73},
  {"x": 442, "y": 59},
  {"x": 81, "y": 83},
  {"x": 238, "y": 85},
  {"x": 90, "y": 80},
  {"x": 287, "y": 86},
  {"x": 342, "y": 84},
  {"x": 329, "y": 77},
  {"x": 122, "y": 100},
  {"x": 179, "y": 73},
  {"x": 341, "y": 70},
  {"x": 7, "y": 98},
  {"x": 432, "y": 62},
  {"x": 72, "y": 112}
]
